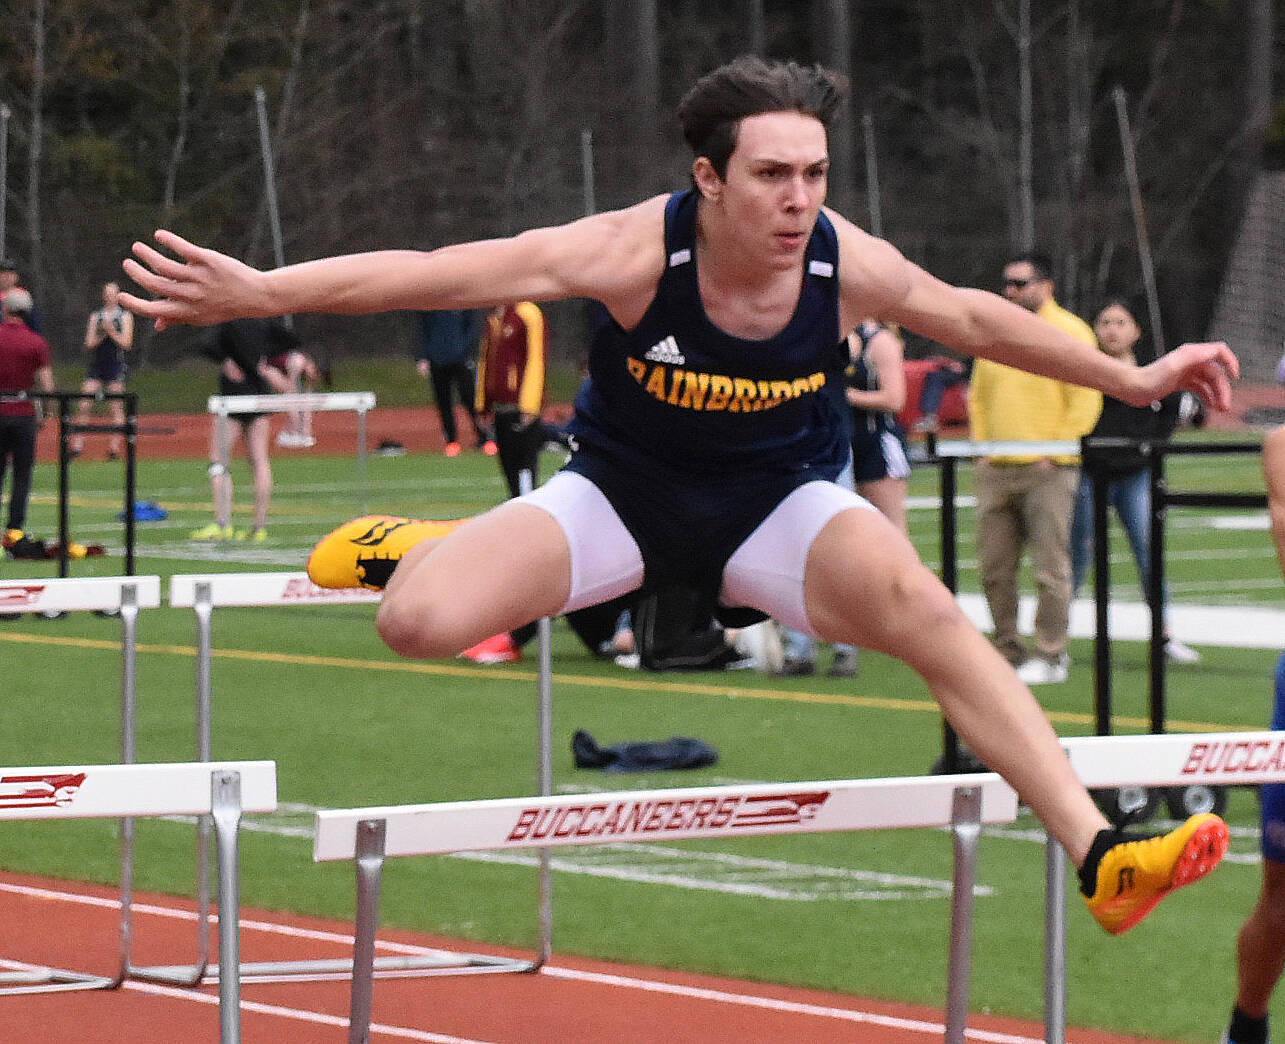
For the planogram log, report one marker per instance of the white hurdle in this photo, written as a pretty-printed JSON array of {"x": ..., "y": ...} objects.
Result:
[
  {"x": 361, "y": 403},
  {"x": 202, "y": 592},
  {"x": 369, "y": 835},
  {"x": 1171, "y": 760},
  {"x": 124, "y": 595},
  {"x": 223, "y": 790}
]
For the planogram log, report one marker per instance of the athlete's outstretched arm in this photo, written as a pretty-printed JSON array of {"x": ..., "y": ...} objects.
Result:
[
  {"x": 878, "y": 280},
  {"x": 600, "y": 257}
]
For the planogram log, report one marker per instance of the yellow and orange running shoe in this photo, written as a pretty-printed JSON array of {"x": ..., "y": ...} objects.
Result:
[
  {"x": 1134, "y": 875},
  {"x": 365, "y": 551}
]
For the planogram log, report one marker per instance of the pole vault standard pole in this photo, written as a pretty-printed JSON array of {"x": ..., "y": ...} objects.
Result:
[
  {"x": 4, "y": 170},
  {"x": 1139, "y": 220},
  {"x": 872, "y": 174},
  {"x": 269, "y": 177}
]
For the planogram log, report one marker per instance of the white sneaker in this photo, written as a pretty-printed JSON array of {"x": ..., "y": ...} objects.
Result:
[
  {"x": 1039, "y": 671},
  {"x": 761, "y": 642},
  {"x": 1180, "y": 652}
]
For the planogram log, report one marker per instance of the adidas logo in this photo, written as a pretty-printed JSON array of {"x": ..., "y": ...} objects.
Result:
[{"x": 666, "y": 351}]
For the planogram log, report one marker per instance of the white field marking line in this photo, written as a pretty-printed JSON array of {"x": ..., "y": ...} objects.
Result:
[
  {"x": 935, "y": 1029},
  {"x": 259, "y": 1008},
  {"x": 830, "y": 886},
  {"x": 557, "y": 972}
]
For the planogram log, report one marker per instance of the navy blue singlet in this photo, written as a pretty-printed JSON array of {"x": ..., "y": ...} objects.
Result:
[{"x": 695, "y": 435}]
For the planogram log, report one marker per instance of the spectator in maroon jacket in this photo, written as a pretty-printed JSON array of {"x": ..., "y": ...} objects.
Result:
[{"x": 24, "y": 363}]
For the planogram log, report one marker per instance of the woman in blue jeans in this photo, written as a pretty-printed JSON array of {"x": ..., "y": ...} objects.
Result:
[{"x": 1128, "y": 480}]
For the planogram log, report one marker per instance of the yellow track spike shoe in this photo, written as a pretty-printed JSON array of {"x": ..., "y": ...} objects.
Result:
[
  {"x": 365, "y": 551},
  {"x": 1134, "y": 875}
]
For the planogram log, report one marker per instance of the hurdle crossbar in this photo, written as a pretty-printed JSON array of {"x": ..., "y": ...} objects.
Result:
[
  {"x": 361, "y": 403},
  {"x": 223, "y": 790},
  {"x": 1172, "y": 760},
  {"x": 203, "y": 592},
  {"x": 368, "y": 836}
]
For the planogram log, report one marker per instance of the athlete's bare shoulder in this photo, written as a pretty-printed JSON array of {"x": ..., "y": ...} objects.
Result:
[
  {"x": 621, "y": 255},
  {"x": 873, "y": 274}
]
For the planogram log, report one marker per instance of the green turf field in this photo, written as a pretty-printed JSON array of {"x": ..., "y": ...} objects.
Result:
[{"x": 349, "y": 724}]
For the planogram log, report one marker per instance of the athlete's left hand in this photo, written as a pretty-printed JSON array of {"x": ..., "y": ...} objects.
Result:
[{"x": 1206, "y": 369}]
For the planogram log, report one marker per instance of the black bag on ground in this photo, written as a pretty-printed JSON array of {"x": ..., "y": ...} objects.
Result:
[{"x": 674, "y": 630}]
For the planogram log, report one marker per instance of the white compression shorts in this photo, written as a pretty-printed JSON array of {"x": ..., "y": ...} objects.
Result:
[{"x": 765, "y": 572}]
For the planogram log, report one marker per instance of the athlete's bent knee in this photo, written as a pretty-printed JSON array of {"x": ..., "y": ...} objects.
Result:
[{"x": 417, "y": 630}]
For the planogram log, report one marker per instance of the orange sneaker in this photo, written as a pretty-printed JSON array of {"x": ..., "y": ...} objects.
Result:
[
  {"x": 500, "y": 648},
  {"x": 365, "y": 551},
  {"x": 453, "y": 449},
  {"x": 1134, "y": 875},
  {"x": 489, "y": 448}
]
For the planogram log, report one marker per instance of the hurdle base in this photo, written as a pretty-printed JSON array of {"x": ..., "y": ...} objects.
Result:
[
  {"x": 340, "y": 969},
  {"x": 53, "y": 980}
]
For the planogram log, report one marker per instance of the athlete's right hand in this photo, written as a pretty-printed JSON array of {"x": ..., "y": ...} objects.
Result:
[{"x": 203, "y": 287}]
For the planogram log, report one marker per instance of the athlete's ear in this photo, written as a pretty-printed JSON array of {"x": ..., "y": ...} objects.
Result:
[{"x": 708, "y": 183}]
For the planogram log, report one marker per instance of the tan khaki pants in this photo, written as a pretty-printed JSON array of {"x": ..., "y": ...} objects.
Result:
[{"x": 1026, "y": 506}]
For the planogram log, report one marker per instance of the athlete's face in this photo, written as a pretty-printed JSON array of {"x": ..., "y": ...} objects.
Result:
[{"x": 775, "y": 185}]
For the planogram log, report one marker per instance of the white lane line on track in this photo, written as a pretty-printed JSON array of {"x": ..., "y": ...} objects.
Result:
[
  {"x": 932, "y": 1029},
  {"x": 935, "y": 1029},
  {"x": 258, "y": 1008}
]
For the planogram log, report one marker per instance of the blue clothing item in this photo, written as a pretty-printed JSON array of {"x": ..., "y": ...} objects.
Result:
[
  {"x": 695, "y": 435},
  {"x": 447, "y": 336},
  {"x": 1272, "y": 795},
  {"x": 936, "y": 383},
  {"x": 1131, "y": 498},
  {"x": 106, "y": 362}
]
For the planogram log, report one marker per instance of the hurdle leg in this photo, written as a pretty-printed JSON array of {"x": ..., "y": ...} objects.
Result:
[
  {"x": 129, "y": 689},
  {"x": 369, "y": 866},
  {"x": 226, "y": 812},
  {"x": 361, "y": 457},
  {"x": 204, "y": 609},
  {"x": 1054, "y": 943},
  {"x": 193, "y": 975},
  {"x": 544, "y": 693},
  {"x": 545, "y": 686},
  {"x": 966, "y": 827}
]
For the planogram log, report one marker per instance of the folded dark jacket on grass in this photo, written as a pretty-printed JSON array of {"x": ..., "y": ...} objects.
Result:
[{"x": 678, "y": 752}]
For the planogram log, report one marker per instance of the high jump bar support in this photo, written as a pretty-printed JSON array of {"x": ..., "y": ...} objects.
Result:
[
  {"x": 1172, "y": 760},
  {"x": 204, "y": 592},
  {"x": 223, "y": 790},
  {"x": 368, "y": 836},
  {"x": 361, "y": 403}
]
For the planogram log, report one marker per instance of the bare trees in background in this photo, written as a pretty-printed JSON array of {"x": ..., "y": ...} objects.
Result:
[{"x": 419, "y": 122}]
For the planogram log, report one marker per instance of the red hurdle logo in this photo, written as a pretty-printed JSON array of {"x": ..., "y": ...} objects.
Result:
[
  {"x": 14, "y": 595},
  {"x": 779, "y": 809},
  {"x": 48, "y": 791}
]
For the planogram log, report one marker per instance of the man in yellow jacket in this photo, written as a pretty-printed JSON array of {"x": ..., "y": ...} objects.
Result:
[{"x": 1024, "y": 502}]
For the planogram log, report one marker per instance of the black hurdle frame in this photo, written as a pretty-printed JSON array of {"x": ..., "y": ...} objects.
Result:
[
  {"x": 1156, "y": 452},
  {"x": 66, "y": 427}
]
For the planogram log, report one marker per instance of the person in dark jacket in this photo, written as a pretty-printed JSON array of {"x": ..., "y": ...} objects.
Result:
[
  {"x": 446, "y": 353},
  {"x": 1128, "y": 480}
]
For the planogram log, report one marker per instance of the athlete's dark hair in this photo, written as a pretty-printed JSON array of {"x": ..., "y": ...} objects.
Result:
[{"x": 712, "y": 110}]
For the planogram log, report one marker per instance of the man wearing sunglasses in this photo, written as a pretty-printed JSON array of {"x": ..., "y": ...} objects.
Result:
[{"x": 1024, "y": 501}]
